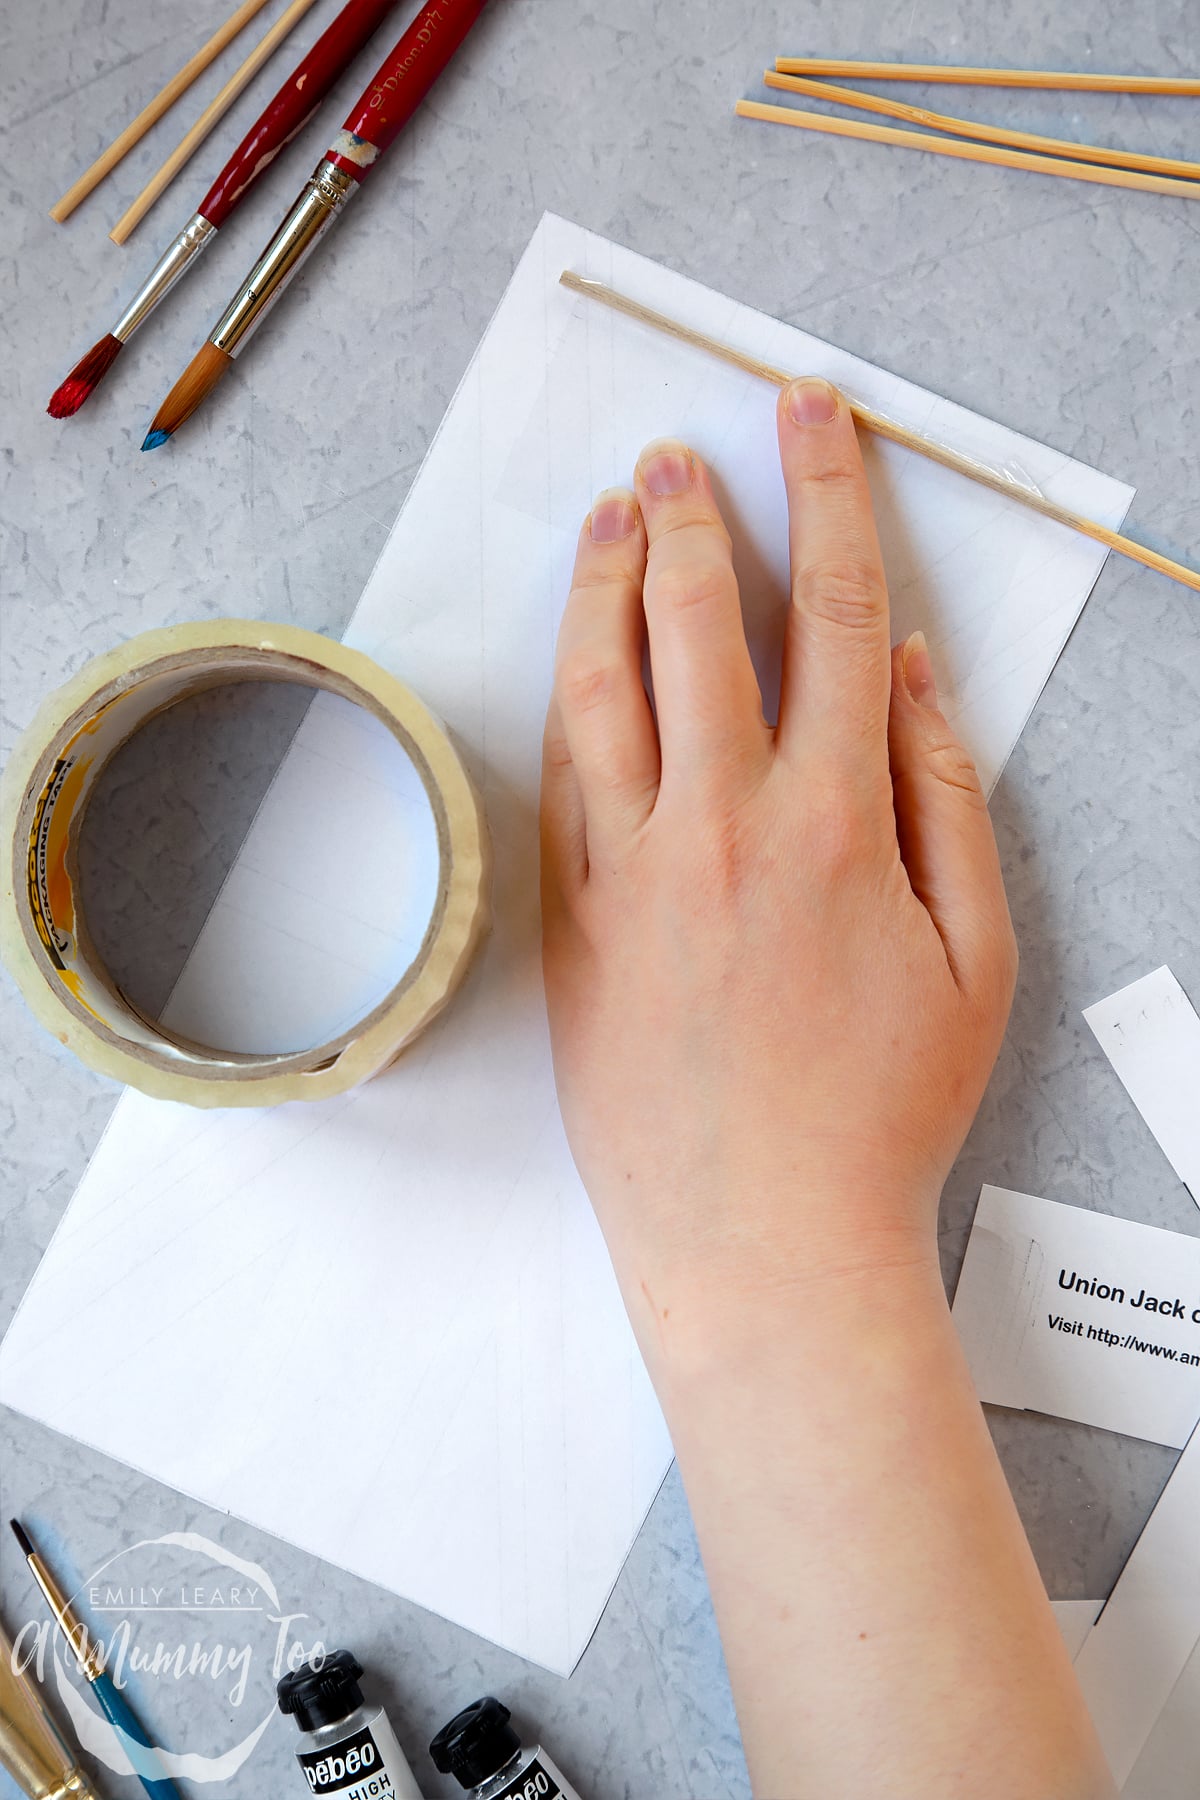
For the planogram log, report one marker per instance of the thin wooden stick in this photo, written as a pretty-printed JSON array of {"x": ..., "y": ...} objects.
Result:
[
  {"x": 993, "y": 134},
  {"x": 888, "y": 428},
  {"x": 1024, "y": 78},
  {"x": 151, "y": 114},
  {"x": 212, "y": 114},
  {"x": 983, "y": 153}
]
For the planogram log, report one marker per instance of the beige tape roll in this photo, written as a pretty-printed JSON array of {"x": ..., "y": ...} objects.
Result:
[{"x": 43, "y": 797}]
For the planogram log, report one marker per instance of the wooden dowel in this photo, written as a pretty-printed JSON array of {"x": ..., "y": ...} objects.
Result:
[
  {"x": 151, "y": 114},
  {"x": 1024, "y": 78},
  {"x": 212, "y": 114},
  {"x": 982, "y": 153},
  {"x": 994, "y": 134},
  {"x": 882, "y": 426}
]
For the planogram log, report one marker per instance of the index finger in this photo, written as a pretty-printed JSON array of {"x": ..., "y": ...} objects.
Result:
[{"x": 837, "y": 649}]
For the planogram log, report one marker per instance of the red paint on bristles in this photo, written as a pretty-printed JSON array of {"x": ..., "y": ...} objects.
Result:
[{"x": 87, "y": 374}]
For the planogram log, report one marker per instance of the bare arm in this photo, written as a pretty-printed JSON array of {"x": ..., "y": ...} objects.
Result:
[{"x": 778, "y": 966}]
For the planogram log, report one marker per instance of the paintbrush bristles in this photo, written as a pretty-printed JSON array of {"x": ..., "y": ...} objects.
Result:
[
  {"x": 22, "y": 1537},
  {"x": 87, "y": 375},
  {"x": 191, "y": 390}
]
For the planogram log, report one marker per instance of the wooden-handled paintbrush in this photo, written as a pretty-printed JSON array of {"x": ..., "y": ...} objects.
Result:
[
  {"x": 376, "y": 121},
  {"x": 132, "y": 1735},
  {"x": 275, "y": 127}
]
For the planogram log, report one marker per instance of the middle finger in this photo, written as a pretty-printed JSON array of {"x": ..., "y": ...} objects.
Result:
[{"x": 706, "y": 693}]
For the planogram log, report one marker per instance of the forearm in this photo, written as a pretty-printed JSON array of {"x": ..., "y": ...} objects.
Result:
[{"x": 885, "y": 1627}]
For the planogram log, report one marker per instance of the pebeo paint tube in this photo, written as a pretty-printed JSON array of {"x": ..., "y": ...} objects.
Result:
[
  {"x": 484, "y": 1754},
  {"x": 349, "y": 1750}
]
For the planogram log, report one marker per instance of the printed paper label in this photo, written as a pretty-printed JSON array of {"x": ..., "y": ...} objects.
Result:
[
  {"x": 368, "y": 1765},
  {"x": 1082, "y": 1315}
]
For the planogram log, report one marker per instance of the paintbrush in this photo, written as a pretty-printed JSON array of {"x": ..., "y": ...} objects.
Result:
[
  {"x": 390, "y": 100},
  {"x": 275, "y": 127},
  {"x": 138, "y": 1747}
]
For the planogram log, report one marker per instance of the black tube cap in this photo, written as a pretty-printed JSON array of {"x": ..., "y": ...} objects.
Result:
[
  {"x": 322, "y": 1695},
  {"x": 476, "y": 1743}
]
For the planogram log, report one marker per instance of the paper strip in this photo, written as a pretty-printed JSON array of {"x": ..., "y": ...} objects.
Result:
[
  {"x": 1151, "y": 1035},
  {"x": 1082, "y": 1315},
  {"x": 1139, "y": 1646}
]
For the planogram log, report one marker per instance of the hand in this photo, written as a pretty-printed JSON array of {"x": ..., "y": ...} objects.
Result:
[{"x": 778, "y": 962}]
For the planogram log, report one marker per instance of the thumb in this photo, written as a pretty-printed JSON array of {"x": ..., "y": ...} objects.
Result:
[{"x": 946, "y": 839}]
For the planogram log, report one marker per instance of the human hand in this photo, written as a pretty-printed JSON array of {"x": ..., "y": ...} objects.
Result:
[{"x": 779, "y": 962}]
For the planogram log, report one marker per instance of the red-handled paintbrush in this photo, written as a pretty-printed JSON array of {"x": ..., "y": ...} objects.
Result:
[
  {"x": 275, "y": 127},
  {"x": 385, "y": 108}
]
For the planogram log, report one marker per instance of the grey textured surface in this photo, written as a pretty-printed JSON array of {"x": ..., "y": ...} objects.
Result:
[{"x": 1065, "y": 310}]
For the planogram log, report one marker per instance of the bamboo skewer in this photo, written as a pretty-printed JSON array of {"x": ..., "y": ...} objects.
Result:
[
  {"x": 983, "y": 153},
  {"x": 212, "y": 114},
  {"x": 153, "y": 112},
  {"x": 995, "y": 134},
  {"x": 1024, "y": 78},
  {"x": 884, "y": 427}
]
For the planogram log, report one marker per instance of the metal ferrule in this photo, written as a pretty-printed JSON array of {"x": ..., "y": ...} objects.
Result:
[
  {"x": 323, "y": 198},
  {"x": 166, "y": 272},
  {"x": 87, "y": 1650}
]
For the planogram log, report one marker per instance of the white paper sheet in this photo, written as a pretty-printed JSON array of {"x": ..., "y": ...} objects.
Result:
[
  {"x": 385, "y": 1327},
  {"x": 1151, "y": 1035},
  {"x": 1138, "y": 1649},
  {"x": 1075, "y": 1619},
  {"x": 1168, "y": 1767},
  {"x": 1082, "y": 1315}
]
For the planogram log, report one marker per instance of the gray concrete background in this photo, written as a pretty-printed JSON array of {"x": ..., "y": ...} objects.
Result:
[{"x": 1065, "y": 310}]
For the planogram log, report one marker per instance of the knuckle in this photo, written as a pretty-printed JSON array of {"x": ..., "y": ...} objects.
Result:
[
  {"x": 690, "y": 517},
  {"x": 727, "y": 858},
  {"x": 951, "y": 763},
  {"x": 587, "y": 681},
  {"x": 682, "y": 588},
  {"x": 846, "y": 591},
  {"x": 833, "y": 840},
  {"x": 606, "y": 566},
  {"x": 556, "y": 752},
  {"x": 836, "y": 472}
]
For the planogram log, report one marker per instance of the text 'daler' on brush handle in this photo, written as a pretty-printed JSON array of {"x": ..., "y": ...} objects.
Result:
[
  {"x": 401, "y": 83},
  {"x": 293, "y": 105},
  {"x": 393, "y": 95}
]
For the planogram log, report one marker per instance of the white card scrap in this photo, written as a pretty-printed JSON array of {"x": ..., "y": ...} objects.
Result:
[
  {"x": 1150, "y": 1034},
  {"x": 1134, "y": 1657},
  {"x": 1082, "y": 1315},
  {"x": 385, "y": 1327}
]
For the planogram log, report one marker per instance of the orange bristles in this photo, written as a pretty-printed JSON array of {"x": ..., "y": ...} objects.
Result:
[
  {"x": 87, "y": 374},
  {"x": 190, "y": 391}
]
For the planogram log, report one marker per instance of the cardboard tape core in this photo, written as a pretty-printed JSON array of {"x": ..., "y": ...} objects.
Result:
[{"x": 49, "y": 783}]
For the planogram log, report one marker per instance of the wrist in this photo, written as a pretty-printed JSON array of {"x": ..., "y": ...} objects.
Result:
[{"x": 726, "y": 1305}]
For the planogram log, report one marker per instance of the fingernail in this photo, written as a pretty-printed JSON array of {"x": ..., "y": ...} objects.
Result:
[
  {"x": 811, "y": 401},
  {"x": 667, "y": 467},
  {"x": 613, "y": 516},
  {"x": 917, "y": 670}
]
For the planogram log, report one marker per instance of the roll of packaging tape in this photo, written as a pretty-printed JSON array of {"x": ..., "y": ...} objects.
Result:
[{"x": 46, "y": 788}]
